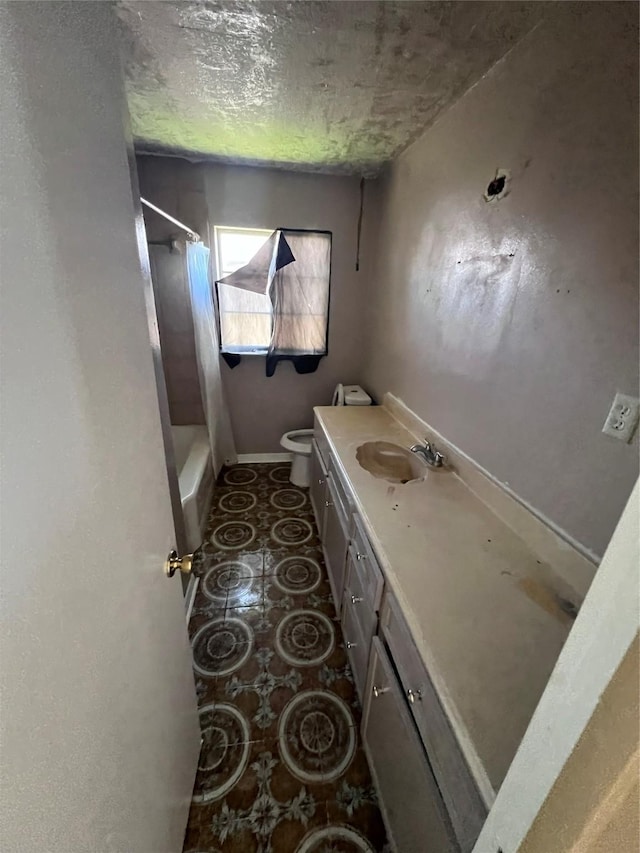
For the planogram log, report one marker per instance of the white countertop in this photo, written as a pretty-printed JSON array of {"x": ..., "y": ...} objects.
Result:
[{"x": 480, "y": 603}]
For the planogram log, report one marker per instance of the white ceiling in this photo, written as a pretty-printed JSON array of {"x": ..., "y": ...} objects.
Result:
[{"x": 336, "y": 87}]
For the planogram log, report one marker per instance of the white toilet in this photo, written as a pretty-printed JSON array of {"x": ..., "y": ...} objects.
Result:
[{"x": 298, "y": 441}]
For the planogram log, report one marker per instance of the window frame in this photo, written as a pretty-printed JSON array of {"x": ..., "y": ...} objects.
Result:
[{"x": 230, "y": 228}]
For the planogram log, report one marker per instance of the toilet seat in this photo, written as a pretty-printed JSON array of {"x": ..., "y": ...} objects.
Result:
[{"x": 298, "y": 441}]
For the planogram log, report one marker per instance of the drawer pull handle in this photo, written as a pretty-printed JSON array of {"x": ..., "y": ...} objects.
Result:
[
  {"x": 378, "y": 691},
  {"x": 413, "y": 695},
  {"x": 328, "y": 503},
  {"x": 320, "y": 482},
  {"x": 360, "y": 556},
  {"x": 350, "y": 645},
  {"x": 355, "y": 599}
]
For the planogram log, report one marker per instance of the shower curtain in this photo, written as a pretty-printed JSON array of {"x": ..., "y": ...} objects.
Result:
[{"x": 216, "y": 413}]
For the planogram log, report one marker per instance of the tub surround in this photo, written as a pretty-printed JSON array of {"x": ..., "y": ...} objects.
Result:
[{"x": 484, "y": 585}]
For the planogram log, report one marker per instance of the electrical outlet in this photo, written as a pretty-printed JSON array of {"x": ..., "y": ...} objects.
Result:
[{"x": 622, "y": 418}]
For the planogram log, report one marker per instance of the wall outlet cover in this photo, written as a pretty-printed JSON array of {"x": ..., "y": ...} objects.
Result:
[{"x": 623, "y": 416}]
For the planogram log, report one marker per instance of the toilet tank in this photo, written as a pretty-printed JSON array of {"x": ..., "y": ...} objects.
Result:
[{"x": 350, "y": 395}]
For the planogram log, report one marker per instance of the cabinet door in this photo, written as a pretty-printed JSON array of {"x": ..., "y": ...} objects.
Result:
[
  {"x": 459, "y": 792},
  {"x": 411, "y": 804},
  {"x": 334, "y": 543},
  {"x": 366, "y": 565},
  {"x": 318, "y": 489},
  {"x": 357, "y": 646},
  {"x": 358, "y": 601}
]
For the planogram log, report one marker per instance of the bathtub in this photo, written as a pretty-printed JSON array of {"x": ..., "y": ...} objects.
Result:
[{"x": 195, "y": 477}]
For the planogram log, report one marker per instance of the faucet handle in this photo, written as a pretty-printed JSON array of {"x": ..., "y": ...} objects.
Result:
[{"x": 439, "y": 458}]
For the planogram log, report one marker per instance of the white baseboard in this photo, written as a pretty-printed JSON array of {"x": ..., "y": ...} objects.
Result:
[
  {"x": 246, "y": 458},
  {"x": 190, "y": 595}
]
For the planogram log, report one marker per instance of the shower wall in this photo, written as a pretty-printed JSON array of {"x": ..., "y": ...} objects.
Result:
[
  {"x": 180, "y": 191},
  {"x": 177, "y": 342}
]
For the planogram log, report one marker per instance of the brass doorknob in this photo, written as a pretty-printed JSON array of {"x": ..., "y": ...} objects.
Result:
[{"x": 184, "y": 564}]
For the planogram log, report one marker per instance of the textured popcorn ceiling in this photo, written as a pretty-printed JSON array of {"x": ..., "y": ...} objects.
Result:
[{"x": 324, "y": 86}]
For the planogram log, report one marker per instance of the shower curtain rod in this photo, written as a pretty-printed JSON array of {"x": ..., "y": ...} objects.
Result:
[{"x": 192, "y": 234}]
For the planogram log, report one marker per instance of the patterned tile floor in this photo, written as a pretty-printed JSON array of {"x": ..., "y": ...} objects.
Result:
[{"x": 281, "y": 769}]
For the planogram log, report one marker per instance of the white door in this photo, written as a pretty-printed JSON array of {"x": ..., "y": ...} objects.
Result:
[{"x": 99, "y": 722}]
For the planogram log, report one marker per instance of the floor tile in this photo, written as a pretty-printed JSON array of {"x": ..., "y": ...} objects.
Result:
[
  {"x": 243, "y": 563},
  {"x": 282, "y": 767}
]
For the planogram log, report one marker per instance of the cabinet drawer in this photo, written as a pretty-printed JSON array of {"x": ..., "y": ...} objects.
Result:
[
  {"x": 366, "y": 565},
  {"x": 464, "y": 804},
  {"x": 411, "y": 804},
  {"x": 358, "y": 600},
  {"x": 356, "y": 645}
]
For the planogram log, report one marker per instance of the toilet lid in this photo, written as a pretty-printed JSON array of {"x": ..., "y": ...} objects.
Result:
[{"x": 338, "y": 395}]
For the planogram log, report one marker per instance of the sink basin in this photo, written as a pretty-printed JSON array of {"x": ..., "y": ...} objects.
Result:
[{"x": 390, "y": 462}]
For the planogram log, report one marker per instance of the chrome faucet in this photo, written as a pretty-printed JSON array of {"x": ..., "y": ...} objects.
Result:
[{"x": 430, "y": 454}]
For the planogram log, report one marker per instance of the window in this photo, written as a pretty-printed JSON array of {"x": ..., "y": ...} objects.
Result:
[
  {"x": 294, "y": 267},
  {"x": 245, "y": 317}
]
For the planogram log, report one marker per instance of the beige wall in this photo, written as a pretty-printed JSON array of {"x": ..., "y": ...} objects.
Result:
[
  {"x": 510, "y": 326},
  {"x": 262, "y": 408},
  {"x": 594, "y": 805}
]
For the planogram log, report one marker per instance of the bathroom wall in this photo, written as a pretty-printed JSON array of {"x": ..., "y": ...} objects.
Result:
[
  {"x": 262, "y": 408},
  {"x": 510, "y": 325},
  {"x": 178, "y": 189}
]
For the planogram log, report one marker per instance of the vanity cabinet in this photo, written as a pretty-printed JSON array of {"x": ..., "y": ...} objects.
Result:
[
  {"x": 414, "y": 812},
  {"x": 439, "y": 728},
  {"x": 428, "y": 796},
  {"x": 318, "y": 487}
]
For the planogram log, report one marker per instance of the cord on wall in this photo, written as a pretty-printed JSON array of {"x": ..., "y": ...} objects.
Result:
[{"x": 360, "y": 223}]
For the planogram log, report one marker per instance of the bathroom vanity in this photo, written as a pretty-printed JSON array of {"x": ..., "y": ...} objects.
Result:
[{"x": 455, "y": 601}]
